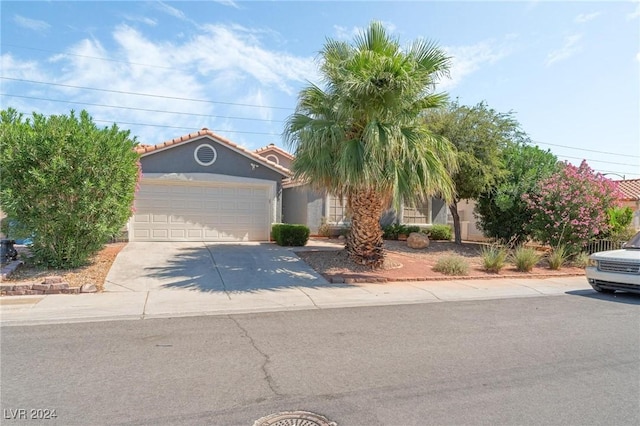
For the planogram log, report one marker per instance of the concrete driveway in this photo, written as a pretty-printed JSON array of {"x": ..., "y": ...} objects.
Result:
[{"x": 208, "y": 267}]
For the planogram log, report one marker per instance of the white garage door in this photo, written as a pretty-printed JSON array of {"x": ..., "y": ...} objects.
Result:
[{"x": 201, "y": 212}]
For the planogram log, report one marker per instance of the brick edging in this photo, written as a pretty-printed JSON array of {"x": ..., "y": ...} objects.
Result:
[{"x": 50, "y": 285}]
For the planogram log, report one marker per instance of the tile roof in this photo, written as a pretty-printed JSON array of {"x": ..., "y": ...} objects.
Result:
[
  {"x": 630, "y": 189},
  {"x": 149, "y": 149},
  {"x": 272, "y": 147}
]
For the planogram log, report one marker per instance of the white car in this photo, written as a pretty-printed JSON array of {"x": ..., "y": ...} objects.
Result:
[{"x": 613, "y": 270}]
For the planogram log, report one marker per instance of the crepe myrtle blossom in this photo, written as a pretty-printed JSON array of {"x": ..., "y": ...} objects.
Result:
[{"x": 570, "y": 207}]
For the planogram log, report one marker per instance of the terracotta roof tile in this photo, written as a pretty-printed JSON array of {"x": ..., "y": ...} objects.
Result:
[
  {"x": 272, "y": 147},
  {"x": 630, "y": 189},
  {"x": 146, "y": 149}
]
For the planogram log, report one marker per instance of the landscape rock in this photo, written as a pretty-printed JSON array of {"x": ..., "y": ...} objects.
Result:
[
  {"x": 88, "y": 288},
  {"x": 417, "y": 240},
  {"x": 53, "y": 279}
]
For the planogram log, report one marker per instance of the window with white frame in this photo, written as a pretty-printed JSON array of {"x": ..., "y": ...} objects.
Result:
[
  {"x": 336, "y": 209},
  {"x": 418, "y": 213}
]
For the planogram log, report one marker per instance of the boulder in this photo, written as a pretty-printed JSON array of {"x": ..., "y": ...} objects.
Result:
[
  {"x": 417, "y": 240},
  {"x": 88, "y": 288}
]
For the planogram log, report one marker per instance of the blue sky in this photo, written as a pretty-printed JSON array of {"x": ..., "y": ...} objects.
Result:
[{"x": 569, "y": 70}]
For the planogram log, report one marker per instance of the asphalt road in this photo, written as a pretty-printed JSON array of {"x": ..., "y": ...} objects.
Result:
[{"x": 571, "y": 359}]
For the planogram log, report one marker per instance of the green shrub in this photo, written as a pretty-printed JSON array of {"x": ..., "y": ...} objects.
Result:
[
  {"x": 494, "y": 257},
  {"x": 439, "y": 233},
  {"x": 68, "y": 182},
  {"x": 452, "y": 264},
  {"x": 391, "y": 232},
  {"x": 580, "y": 260},
  {"x": 525, "y": 258},
  {"x": 286, "y": 234},
  {"x": 557, "y": 257},
  {"x": 412, "y": 228}
]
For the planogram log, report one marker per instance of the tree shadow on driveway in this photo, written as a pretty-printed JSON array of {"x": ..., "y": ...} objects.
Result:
[{"x": 235, "y": 268}]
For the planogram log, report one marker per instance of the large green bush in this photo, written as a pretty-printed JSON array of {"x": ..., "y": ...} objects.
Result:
[
  {"x": 439, "y": 233},
  {"x": 67, "y": 182},
  {"x": 286, "y": 234}
]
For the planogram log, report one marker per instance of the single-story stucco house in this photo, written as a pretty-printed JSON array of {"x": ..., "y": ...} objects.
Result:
[
  {"x": 630, "y": 190},
  {"x": 204, "y": 187}
]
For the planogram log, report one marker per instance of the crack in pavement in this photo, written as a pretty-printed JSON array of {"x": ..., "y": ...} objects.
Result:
[
  {"x": 267, "y": 359},
  {"x": 309, "y": 297},
  {"x": 119, "y": 285},
  {"x": 215, "y": 265}
]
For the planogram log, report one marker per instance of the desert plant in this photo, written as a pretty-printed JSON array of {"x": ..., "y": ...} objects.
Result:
[
  {"x": 452, "y": 264},
  {"x": 439, "y": 232},
  {"x": 494, "y": 257},
  {"x": 324, "y": 230},
  {"x": 286, "y": 234},
  {"x": 580, "y": 260},
  {"x": 525, "y": 258},
  {"x": 557, "y": 257}
]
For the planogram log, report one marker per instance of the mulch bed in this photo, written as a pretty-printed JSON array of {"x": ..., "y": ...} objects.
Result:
[{"x": 95, "y": 272}]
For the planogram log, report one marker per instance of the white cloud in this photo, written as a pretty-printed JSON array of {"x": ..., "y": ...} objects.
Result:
[
  {"x": 465, "y": 60},
  {"x": 170, "y": 10},
  {"x": 239, "y": 51},
  {"x": 636, "y": 13},
  {"x": 229, "y": 3},
  {"x": 221, "y": 63},
  {"x": 570, "y": 47},
  {"x": 638, "y": 57},
  {"x": 31, "y": 24},
  {"x": 143, "y": 19},
  {"x": 586, "y": 17},
  {"x": 13, "y": 68}
]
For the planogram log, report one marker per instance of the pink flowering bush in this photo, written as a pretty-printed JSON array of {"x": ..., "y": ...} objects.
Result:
[{"x": 570, "y": 207}]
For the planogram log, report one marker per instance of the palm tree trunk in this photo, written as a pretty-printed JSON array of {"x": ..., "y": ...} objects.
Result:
[{"x": 364, "y": 242}]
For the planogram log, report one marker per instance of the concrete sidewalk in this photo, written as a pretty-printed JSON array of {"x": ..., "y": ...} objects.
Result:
[{"x": 59, "y": 308}]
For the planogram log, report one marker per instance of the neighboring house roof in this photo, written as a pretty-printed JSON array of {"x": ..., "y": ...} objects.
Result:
[
  {"x": 630, "y": 189},
  {"x": 145, "y": 150},
  {"x": 271, "y": 148}
]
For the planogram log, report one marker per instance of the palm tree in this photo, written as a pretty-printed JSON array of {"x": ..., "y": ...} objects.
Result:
[{"x": 362, "y": 136}]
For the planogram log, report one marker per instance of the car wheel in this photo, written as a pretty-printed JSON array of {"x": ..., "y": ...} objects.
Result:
[{"x": 602, "y": 290}]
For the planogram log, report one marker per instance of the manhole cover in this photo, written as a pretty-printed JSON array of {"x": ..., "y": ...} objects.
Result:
[{"x": 294, "y": 418}]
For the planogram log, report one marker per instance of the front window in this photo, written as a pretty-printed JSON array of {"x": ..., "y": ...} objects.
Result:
[
  {"x": 337, "y": 209},
  {"x": 418, "y": 213}
]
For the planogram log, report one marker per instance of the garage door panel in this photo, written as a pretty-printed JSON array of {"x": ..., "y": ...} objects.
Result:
[{"x": 207, "y": 212}]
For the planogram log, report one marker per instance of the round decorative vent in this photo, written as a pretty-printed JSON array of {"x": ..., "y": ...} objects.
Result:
[
  {"x": 273, "y": 158},
  {"x": 205, "y": 154}
]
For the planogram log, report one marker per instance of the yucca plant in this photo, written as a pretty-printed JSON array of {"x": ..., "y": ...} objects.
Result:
[
  {"x": 557, "y": 257},
  {"x": 525, "y": 258},
  {"x": 580, "y": 260},
  {"x": 452, "y": 264},
  {"x": 494, "y": 257}
]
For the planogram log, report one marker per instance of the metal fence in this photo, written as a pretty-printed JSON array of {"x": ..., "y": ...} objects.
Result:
[{"x": 603, "y": 245}]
